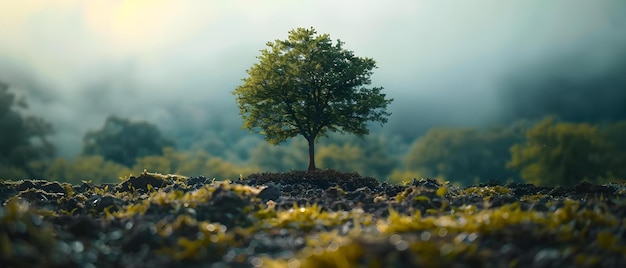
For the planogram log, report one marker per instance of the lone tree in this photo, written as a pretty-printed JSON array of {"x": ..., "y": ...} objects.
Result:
[{"x": 306, "y": 85}]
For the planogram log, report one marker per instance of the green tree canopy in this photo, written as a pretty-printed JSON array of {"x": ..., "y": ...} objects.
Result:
[
  {"x": 122, "y": 141},
  {"x": 465, "y": 155},
  {"x": 306, "y": 85},
  {"x": 561, "y": 153},
  {"x": 23, "y": 139}
]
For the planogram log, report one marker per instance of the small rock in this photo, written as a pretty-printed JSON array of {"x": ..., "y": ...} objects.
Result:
[
  {"x": 271, "y": 192},
  {"x": 141, "y": 182},
  {"x": 53, "y": 187}
]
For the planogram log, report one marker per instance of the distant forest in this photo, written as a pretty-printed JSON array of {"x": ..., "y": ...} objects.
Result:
[{"x": 555, "y": 130}]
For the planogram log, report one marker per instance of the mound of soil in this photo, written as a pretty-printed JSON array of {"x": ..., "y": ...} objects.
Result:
[{"x": 299, "y": 219}]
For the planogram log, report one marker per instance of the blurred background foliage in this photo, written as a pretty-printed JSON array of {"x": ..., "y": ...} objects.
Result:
[
  {"x": 544, "y": 150},
  {"x": 567, "y": 153},
  {"x": 465, "y": 155},
  {"x": 123, "y": 141},
  {"x": 24, "y": 145}
]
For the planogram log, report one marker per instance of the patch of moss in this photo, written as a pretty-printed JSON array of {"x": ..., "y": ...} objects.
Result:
[
  {"x": 25, "y": 238},
  {"x": 488, "y": 191}
]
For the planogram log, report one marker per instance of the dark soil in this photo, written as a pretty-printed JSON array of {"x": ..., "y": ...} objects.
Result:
[{"x": 300, "y": 219}]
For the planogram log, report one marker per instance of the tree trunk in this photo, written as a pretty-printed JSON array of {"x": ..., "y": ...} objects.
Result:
[{"x": 311, "y": 154}]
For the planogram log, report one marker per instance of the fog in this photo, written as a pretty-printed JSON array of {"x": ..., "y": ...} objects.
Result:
[{"x": 175, "y": 63}]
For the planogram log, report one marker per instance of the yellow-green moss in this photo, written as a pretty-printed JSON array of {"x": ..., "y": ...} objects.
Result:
[{"x": 487, "y": 192}]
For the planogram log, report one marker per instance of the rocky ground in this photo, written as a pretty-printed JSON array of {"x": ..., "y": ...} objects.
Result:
[{"x": 299, "y": 219}]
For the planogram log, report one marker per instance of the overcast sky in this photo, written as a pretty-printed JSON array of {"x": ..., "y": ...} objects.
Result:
[{"x": 79, "y": 61}]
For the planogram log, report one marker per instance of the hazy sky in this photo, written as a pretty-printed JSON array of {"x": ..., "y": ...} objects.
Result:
[{"x": 80, "y": 61}]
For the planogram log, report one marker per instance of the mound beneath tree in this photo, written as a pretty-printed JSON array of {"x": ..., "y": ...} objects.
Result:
[{"x": 299, "y": 219}]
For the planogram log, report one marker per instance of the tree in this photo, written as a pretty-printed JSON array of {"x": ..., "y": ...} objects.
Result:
[
  {"x": 122, "y": 141},
  {"x": 23, "y": 139},
  {"x": 306, "y": 85},
  {"x": 561, "y": 153},
  {"x": 465, "y": 155}
]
